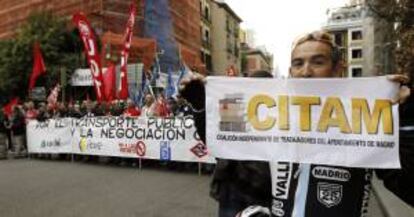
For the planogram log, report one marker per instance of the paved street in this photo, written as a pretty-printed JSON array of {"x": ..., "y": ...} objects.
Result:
[
  {"x": 61, "y": 188},
  {"x": 55, "y": 188}
]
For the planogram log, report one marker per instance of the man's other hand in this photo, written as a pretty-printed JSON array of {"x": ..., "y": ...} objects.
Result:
[
  {"x": 192, "y": 89},
  {"x": 404, "y": 91}
]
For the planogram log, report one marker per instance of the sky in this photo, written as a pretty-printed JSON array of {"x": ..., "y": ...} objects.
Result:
[{"x": 277, "y": 23}]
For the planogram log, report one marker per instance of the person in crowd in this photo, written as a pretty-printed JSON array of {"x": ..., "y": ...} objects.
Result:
[
  {"x": 172, "y": 105},
  {"x": 43, "y": 114},
  {"x": 3, "y": 129},
  {"x": 314, "y": 55},
  {"x": 131, "y": 110},
  {"x": 99, "y": 109},
  {"x": 18, "y": 128},
  {"x": 88, "y": 109},
  {"x": 161, "y": 108},
  {"x": 31, "y": 112},
  {"x": 106, "y": 109},
  {"x": 61, "y": 110},
  {"x": 6, "y": 124},
  {"x": 149, "y": 106},
  {"x": 74, "y": 110},
  {"x": 51, "y": 110}
]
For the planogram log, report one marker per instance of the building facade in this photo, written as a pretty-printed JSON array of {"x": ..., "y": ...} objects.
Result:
[
  {"x": 205, "y": 30},
  {"x": 225, "y": 30},
  {"x": 364, "y": 42},
  {"x": 254, "y": 60},
  {"x": 108, "y": 18}
]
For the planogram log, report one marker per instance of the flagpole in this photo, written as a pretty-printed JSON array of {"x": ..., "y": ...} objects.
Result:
[{"x": 63, "y": 82}]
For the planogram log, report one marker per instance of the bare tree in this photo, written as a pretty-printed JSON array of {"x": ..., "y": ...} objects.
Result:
[{"x": 401, "y": 14}]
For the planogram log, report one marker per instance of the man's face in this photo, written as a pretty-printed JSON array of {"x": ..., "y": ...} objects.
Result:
[
  {"x": 148, "y": 99},
  {"x": 312, "y": 59}
]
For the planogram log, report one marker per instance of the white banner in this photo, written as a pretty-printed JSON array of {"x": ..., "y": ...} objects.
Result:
[
  {"x": 82, "y": 77},
  {"x": 51, "y": 136},
  {"x": 167, "y": 139},
  {"x": 343, "y": 122}
]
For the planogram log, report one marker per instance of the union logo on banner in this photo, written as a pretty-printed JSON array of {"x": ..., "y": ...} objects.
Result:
[
  {"x": 83, "y": 28},
  {"x": 83, "y": 144},
  {"x": 329, "y": 194},
  {"x": 199, "y": 150},
  {"x": 165, "y": 151},
  {"x": 140, "y": 148}
]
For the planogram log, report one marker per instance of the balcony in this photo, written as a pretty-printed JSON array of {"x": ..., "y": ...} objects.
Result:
[
  {"x": 206, "y": 44},
  {"x": 205, "y": 13},
  {"x": 230, "y": 48},
  {"x": 206, "y": 18},
  {"x": 228, "y": 27},
  {"x": 236, "y": 32}
]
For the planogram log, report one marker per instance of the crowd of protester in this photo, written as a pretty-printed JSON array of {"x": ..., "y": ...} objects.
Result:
[
  {"x": 152, "y": 107},
  {"x": 13, "y": 124}
]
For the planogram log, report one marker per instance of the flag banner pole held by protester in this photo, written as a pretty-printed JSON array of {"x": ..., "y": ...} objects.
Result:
[
  {"x": 170, "y": 89},
  {"x": 140, "y": 95},
  {"x": 63, "y": 82},
  {"x": 8, "y": 108},
  {"x": 123, "y": 86},
  {"x": 39, "y": 67},
  {"x": 342, "y": 122},
  {"x": 92, "y": 53},
  {"x": 109, "y": 80},
  {"x": 154, "y": 76}
]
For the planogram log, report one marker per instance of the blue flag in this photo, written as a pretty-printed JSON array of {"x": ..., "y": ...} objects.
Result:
[
  {"x": 155, "y": 72},
  {"x": 170, "y": 89},
  {"x": 183, "y": 72},
  {"x": 141, "y": 92}
]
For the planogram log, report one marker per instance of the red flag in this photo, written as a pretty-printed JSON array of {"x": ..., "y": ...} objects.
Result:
[
  {"x": 123, "y": 86},
  {"x": 8, "y": 108},
  {"x": 109, "y": 80},
  {"x": 38, "y": 65},
  {"x": 91, "y": 51}
]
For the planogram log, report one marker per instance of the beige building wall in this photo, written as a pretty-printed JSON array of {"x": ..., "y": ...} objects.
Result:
[
  {"x": 225, "y": 46},
  {"x": 205, "y": 30},
  {"x": 364, "y": 42}
]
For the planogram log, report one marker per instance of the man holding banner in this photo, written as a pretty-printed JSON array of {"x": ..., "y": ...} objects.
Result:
[{"x": 304, "y": 189}]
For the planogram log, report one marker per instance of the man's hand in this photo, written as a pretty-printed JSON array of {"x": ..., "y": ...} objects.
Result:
[
  {"x": 192, "y": 89},
  {"x": 405, "y": 90}
]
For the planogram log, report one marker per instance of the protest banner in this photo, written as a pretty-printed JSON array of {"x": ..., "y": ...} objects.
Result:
[
  {"x": 172, "y": 139},
  {"x": 168, "y": 139},
  {"x": 123, "y": 83},
  {"x": 50, "y": 136},
  {"x": 343, "y": 122},
  {"x": 82, "y": 77},
  {"x": 91, "y": 51}
]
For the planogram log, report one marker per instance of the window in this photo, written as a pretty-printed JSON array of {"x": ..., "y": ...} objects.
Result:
[
  {"x": 206, "y": 13},
  {"x": 228, "y": 24},
  {"x": 356, "y": 53},
  {"x": 339, "y": 39},
  {"x": 356, "y": 35},
  {"x": 207, "y": 36},
  {"x": 202, "y": 56},
  {"x": 356, "y": 72},
  {"x": 208, "y": 62}
]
